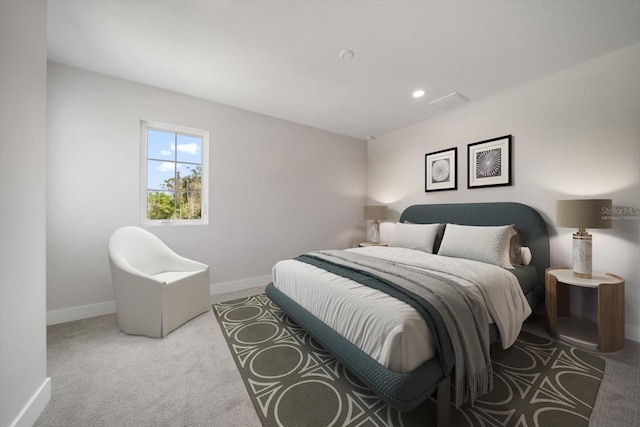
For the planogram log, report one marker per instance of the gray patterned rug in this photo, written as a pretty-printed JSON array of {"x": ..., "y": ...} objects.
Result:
[{"x": 293, "y": 382}]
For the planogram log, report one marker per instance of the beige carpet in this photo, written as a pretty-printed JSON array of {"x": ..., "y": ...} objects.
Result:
[{"x": 103, "y": 377}]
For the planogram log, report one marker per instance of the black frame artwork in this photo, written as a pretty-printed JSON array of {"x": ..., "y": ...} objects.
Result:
[
  {"x": 441, "y": 170},
  {"x": 489, "y": 163}
]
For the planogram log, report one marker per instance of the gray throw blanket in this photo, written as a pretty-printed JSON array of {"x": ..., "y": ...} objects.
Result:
[{"x": 465, "y": 317}]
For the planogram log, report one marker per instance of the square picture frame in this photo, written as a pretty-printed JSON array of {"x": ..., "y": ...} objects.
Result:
[
  {"x": 441, "y": 170},
  {"x": 489, "y": 162}
]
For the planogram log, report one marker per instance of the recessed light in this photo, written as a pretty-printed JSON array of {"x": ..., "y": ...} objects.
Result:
[
  {"x": 418, "y": 93},
  {"x": 347, "y": 54}
]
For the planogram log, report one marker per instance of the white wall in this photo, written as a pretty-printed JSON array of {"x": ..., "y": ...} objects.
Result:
[
  {"x": 575, "y": 134},
  {"x": 277, "y": 188},
  {"x": 24, "y": 386}
]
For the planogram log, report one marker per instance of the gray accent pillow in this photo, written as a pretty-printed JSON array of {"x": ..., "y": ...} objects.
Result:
[{"x": 515, "y": 249}]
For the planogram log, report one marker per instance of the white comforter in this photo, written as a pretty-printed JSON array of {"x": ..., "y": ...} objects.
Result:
[{"x": 388, "y": 330}]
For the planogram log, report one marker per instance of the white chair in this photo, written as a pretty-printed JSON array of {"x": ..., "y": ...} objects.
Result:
[{"x": 156, "y": 290}]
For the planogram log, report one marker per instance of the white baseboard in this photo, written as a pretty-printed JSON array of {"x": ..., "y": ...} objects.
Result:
[
  {"x": 71, "y": 314},
  {"x": 239, "y": 285},
  {"x": 34, "y": 407},
  {"x": 80, "y": 312}
]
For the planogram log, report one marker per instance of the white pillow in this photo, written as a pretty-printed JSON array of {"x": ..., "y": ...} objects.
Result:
[
  {"x": 488, "y": 244},
  {"x": 415, "y": 236}
]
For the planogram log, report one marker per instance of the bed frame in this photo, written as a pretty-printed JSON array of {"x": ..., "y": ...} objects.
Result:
[{"x": 405, "y": 391}]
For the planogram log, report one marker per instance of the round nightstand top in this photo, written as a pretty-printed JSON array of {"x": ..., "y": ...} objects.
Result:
[{"x": 565, "y": 275}]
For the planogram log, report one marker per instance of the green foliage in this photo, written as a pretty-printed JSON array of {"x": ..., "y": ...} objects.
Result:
[
  {"x": 160, "y": 205},
  {"x": 181, "y": 198}
]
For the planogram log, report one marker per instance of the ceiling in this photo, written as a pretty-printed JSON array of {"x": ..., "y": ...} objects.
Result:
[{"x": 281, "y": 58}]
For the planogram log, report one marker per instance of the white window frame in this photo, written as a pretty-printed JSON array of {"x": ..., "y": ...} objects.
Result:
[{"x": 144, "y": 127}]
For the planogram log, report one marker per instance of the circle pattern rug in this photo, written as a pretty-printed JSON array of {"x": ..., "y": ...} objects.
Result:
[{"x": 294, "y": 382}]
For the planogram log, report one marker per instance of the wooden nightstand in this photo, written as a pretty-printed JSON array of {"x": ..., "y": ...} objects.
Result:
[
  {"x": 608, "y": 335},
  {"x": 362, "y": 244}
]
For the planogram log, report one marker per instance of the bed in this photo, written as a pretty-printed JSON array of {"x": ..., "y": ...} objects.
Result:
[{"x": 407, "y": 361}]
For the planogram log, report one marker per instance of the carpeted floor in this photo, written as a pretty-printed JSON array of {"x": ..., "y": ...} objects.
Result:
[
  {"x": 294, "y": 382},
  {"x": 103, "y": 377}
]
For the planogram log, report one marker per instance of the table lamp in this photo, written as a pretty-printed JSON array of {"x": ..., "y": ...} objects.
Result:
[
  {"x": 375, "y": 213},
  {"x": 583, "y": 214}
]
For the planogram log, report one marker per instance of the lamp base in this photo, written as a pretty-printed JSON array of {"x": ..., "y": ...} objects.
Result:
[
  {"x": 582, "y": 255},
  {"x": 375, "y": 232}
]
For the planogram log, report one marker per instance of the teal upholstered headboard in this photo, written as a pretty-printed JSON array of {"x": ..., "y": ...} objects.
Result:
[{"x": 533, "y": 229}]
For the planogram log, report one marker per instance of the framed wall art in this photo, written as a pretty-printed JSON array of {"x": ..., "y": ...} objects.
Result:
[
  {"x": 441, "y": 170},
  {"x": 489, "y": 162}
]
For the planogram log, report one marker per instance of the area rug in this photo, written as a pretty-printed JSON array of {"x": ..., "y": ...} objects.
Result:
[{"x": 294, "y": 382}]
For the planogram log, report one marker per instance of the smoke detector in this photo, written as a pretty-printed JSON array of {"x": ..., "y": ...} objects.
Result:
[{"x": 347, "y": 54}]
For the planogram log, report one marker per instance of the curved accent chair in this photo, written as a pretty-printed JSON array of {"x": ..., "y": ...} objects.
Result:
[{"x": 156, "y": 290}]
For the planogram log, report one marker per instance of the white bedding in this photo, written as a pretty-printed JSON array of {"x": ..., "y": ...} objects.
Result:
[{"x": 388, "y": 330}]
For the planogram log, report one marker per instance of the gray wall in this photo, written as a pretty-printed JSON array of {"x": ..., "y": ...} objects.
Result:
[
  {"x": 575, "y": 134},
  {"x": 277, "y": 188},
  {"x": 23, "y": 358}
]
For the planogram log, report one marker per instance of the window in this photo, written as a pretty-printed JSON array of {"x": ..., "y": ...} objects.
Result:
[{"x": 174, "y": 174}]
